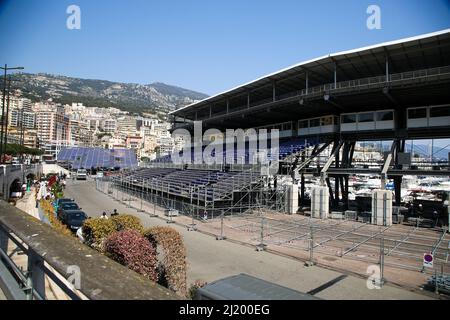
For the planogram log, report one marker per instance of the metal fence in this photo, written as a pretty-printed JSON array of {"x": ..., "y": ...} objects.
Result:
[{"x": 260, "y": 224}]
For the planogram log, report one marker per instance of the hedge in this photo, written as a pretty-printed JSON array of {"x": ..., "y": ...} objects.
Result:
[
  {"x": 95, "y": 232},
  {"x": 49, "y": 212},
  {"x": 174, "y": 255},
  {"x": 127, "y": 222},
  {"x": 131, "y": 249}
]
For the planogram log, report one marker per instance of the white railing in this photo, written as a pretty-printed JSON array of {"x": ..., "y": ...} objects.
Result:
[{"x": 364, "y": 82}]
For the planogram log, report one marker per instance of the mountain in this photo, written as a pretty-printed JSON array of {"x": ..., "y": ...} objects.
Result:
[
  {"x": 135, "y": 98},
  {"x": 423, "y": 150}
]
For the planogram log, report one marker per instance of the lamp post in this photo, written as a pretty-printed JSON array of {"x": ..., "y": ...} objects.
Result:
[{"x": 3, "y": 125}]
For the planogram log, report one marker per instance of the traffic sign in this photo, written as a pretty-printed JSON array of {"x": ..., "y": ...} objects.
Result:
[{"x": 428, "y": 260}]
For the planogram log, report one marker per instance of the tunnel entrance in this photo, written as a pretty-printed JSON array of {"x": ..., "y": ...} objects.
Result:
[{"x": 15, "y": 190}]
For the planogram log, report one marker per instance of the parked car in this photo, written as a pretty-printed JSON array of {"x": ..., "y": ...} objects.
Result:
[
  {"x": 73, "y": 219},
  {"x": 67, "y": 206},
  {"x": 64, "y": 200},
  {"x": 81, "y": 174},
  {"x": 61, "y": 201}
]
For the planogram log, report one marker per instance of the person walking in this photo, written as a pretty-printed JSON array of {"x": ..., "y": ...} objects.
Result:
[
  {"x": 104, "y": 216},
  {"x": 420, "y": 211},
  {"x": 435, "y": 217}
]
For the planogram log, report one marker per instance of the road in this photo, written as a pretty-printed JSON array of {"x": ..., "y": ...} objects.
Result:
[{"x": 210, "y": 260}]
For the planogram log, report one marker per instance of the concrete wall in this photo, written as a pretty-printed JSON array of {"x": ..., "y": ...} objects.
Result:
[
  {"x": 292, "y": 199},
  {"x": 320, "y": 202},
  {"x": 382, "y": 207},
  {"x": 10, "y": 173}
]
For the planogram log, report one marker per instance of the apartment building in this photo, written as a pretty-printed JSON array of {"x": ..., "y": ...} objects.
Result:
[
  {"x": 79, "y": 133},
  {"x": 127, "y": 125},
  {"x": 52, "y": 123},
  {"x": 109, "y": 125}
]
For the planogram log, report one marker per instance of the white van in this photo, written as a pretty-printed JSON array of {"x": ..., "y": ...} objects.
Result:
[{"x": 81, "y": 174}]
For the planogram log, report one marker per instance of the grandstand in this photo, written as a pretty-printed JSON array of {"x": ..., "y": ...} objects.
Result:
[
  {"x": 87, "y": 158},
  {"x": 393, "y": 91},
  {"x": 246, "y": 155}
]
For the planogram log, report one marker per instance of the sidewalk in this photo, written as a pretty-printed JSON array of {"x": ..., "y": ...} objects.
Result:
[{"x": 28, "y": 204}]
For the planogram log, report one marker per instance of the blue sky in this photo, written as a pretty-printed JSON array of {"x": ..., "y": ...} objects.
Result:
[{"x": 208, "y": 46}]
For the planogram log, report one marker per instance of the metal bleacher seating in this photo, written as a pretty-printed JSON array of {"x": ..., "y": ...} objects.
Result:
[{"x": 206, "y": 184}]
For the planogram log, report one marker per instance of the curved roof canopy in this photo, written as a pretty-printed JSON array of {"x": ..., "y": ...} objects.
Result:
[{"x": 415, "y": 53}]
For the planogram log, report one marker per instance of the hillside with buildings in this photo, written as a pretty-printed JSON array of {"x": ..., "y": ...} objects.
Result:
[
  {"x": 49, "y": 126},
  {"x": 135, "y": 98}
]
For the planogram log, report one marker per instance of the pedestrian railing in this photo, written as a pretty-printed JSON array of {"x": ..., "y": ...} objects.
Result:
[{"x": 79, "y": 271}]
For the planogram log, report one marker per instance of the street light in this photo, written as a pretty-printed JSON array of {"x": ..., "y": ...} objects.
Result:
[{"x": 2, "y": 142}]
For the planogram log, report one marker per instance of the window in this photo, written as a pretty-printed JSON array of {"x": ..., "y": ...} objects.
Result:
[
  {"x": 385, "y": 115},
  {"x": 417, "y": 113},
  {"x": 302, "y": 124},
  {"x": 348, "y": 118},
  {"x": 287, "y": 126},
  {"x": 327, "y": 121},
  {"x": 314, "y": 122},
  {"x": 365, "y": 117},
  {"x": 443, "y": 111}
]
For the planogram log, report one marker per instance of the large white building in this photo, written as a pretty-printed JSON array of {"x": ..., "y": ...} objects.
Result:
[
  {"x": 20, "y": 112},
  {"x": 127, "y": 125},
  {"x": 109, "y": 125},
  {"x": 52, "y": 122}
]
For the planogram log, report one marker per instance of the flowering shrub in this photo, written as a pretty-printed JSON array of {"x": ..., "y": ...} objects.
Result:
[
  {"x": 127, "y": 222},
  {"x": 49, "y": 212},
  {"x": 131, "y": 249},
  {"x": 57, "y": 190},
  {"x": 95, "y": 232},
  {"x": 173, "y": 253}
]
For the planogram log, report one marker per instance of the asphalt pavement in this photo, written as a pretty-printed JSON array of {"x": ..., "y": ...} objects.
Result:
[{"x": 210, "y": 260}]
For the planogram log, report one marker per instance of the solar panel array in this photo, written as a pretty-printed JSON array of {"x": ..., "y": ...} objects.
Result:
[{"x": 88, "y": 158}]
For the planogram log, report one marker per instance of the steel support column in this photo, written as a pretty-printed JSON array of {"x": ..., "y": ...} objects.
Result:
[
  {"x": 336, "y": 178},
  {"x": 398, "y": 179},
  {"x": 302, "y": 183},
  {"x": 307, "y": 82},
  {"x": 4, "y": 240},
  {"x": 335, "y": 75},
  {"x": 387, "y": 69},
  {"x": 36, "y": 272},
  {"x": 274, "y": 92}
]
